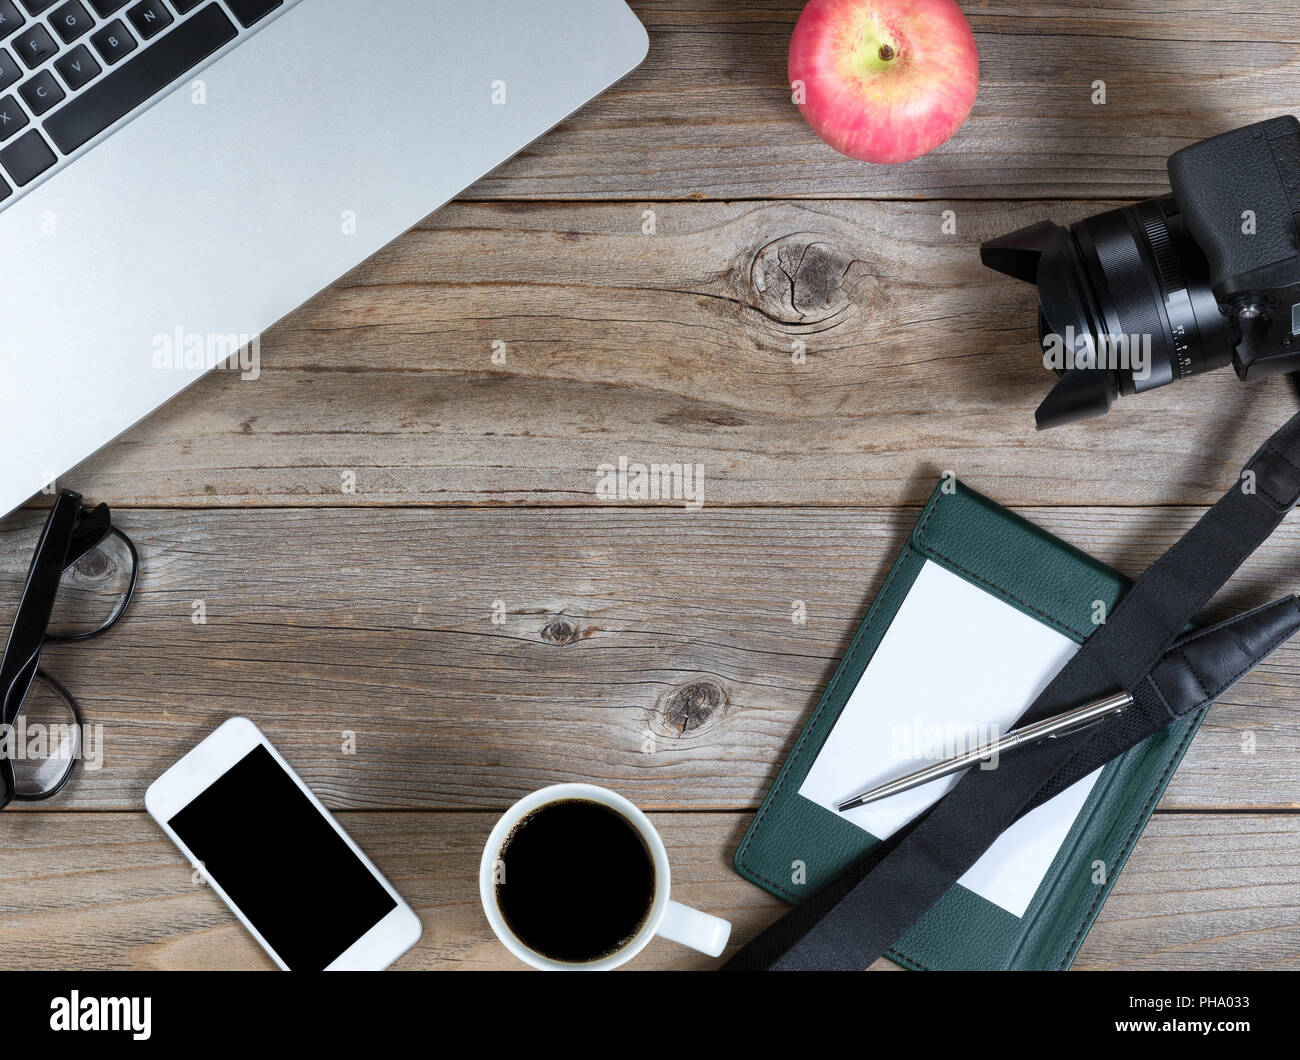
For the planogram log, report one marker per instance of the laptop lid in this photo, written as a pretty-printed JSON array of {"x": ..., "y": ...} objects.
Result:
[{"x": 258, "y": 180}]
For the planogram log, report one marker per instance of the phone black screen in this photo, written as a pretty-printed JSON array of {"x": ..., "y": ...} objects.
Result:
[{"x": 261, "y": 839}]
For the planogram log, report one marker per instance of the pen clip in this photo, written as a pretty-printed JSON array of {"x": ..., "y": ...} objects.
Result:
[{"x": 1085, "y": 723}]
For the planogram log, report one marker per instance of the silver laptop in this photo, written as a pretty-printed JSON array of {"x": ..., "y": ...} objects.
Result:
[{"x": 177, "y": 175}]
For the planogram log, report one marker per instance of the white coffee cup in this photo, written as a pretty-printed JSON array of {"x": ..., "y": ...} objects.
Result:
[{"x": 667, "y": 918}]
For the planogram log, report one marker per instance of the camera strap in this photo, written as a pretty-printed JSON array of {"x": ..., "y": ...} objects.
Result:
[{"x": 1143, "y": 648}]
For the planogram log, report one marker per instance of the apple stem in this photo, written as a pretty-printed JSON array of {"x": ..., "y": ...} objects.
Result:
[{"x": 886, "y": 52}]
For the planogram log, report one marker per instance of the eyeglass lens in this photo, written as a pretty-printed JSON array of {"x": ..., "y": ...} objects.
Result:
[
  {"x": 44, "y": 741},
  {"x": 94, "y": 590}
]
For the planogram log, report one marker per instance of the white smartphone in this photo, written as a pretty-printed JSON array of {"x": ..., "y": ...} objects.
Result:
[{"x": 278, "y": 858}]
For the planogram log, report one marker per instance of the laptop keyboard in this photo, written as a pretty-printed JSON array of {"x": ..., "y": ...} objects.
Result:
[{"x": 70, "y": 69}]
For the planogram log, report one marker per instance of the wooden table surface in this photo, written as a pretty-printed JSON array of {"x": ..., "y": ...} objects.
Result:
[{"x": 647, "y": 270}]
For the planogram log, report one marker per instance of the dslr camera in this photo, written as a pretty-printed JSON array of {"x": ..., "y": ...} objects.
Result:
[{"x": 1145, "y": 295}]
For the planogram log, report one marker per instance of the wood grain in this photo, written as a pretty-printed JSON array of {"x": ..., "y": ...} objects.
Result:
[
  {"x": 651, "y": 650},
  {"x": 647, "y": 270},
  {"x": 677, "y": 348},
  {"x": 709, "y": 115},
  {"x": 94, "y": 891}
]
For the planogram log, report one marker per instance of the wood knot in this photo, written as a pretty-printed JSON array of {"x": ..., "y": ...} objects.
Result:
[
  {"x": 805, "y": 278},
  {"x": 560, "y": 631},
  {"x": 95, "y": 566},
  {"x": 690, "y": 707}
]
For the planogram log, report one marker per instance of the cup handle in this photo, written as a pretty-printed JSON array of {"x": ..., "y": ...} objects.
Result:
[{"x": 699, "y": 931}]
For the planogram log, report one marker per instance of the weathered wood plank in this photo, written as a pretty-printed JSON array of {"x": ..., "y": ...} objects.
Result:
[
  {"x": 677, "y": 348},
  {"x": 652, "y": 650},
  {"x": 94, "y": 891},
  {"x": 1212, "y": 892},
  {"x": 710, "y": 114}
]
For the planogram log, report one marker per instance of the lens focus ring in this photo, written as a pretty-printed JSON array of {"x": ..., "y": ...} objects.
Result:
[
  {"x": 1130, "y": 301},
  {"x": 1162, "y": 246}
]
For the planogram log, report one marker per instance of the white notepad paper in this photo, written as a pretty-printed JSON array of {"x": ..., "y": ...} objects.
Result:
[{"x": 955, "y": 661}]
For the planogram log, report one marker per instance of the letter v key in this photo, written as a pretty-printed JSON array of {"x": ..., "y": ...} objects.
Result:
[{"x": 78, "y": 67}]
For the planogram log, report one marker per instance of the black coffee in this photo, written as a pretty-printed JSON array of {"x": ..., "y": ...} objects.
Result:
[{"x": 575, "y": 882}]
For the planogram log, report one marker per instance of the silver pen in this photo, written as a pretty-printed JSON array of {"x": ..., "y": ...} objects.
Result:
[{"x": 1039, "y": 730}]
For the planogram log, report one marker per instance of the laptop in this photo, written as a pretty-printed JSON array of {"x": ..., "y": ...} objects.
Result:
[{"x": 177, "y": 175}]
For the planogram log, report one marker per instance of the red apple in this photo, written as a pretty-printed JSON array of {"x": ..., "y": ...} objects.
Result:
[{"x": 884, "y": 80}]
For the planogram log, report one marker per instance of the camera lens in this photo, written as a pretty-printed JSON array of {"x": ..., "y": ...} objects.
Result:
[{"x": 1125, "y": 301}]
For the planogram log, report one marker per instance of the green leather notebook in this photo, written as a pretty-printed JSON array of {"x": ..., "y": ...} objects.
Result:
[{"x": 977, "y": 614}]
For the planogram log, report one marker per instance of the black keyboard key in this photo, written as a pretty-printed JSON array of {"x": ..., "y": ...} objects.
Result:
[
  {"x": 250, "y": 11},
  {"x": 125, "y": 88},
  {"x": 35, "y": 7},
  {"x": 150, "y": 17},
  {"x": 71, "y": 21},
  {"x": 114, "y": 41},
  {"x": 77, "y": 67},
  {"x": 10, "y": 18},
  {"x": 27, "y": 158},
  {"x": 34, "y": 45},
  {"x": 12, "y": 118},
  {"x": 104, "y": 8},
  {"x": 184, "y": 7},
  {"x": 42, "y": 92},
  {"x": 5, "y": 191},
  {"x": 10, "y": 71}
]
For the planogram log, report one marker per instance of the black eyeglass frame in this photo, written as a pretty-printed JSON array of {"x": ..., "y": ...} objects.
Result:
[{"x": 71, "y": 531}]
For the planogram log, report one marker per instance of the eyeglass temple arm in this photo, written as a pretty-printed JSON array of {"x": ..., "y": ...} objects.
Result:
[
  {"x": 37, "y": 602},
  {"x": 13, "y": 693}
]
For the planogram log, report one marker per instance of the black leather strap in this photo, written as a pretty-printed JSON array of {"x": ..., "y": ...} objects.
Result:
[{"x": 868, "y": 908}]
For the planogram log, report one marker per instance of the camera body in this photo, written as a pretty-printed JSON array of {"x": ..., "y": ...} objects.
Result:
[
  {"x": 1177, "y": 285},
  {"x": 1239, "y": 196}
]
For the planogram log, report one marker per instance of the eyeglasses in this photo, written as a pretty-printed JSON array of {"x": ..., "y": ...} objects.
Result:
[{"x": 79, "y": 585}]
